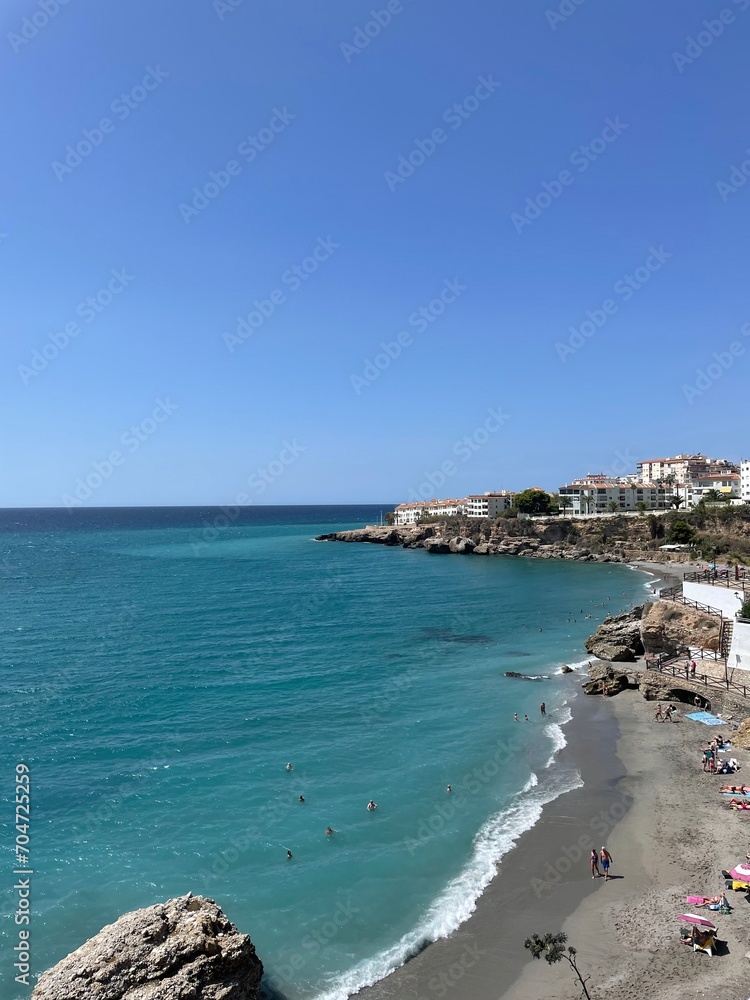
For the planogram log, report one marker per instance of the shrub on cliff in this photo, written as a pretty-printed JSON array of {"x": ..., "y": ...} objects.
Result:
[{"x": 534, "y": 502}]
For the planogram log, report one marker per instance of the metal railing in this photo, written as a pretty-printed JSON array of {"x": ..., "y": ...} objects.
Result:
[
  {"x": 669, "y": 667},
  {"x": 675, "y": 594},
  {"x": 721, "y": 578}
]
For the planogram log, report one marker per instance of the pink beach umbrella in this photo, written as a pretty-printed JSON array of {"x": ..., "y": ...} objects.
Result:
[
  {"x": 692, "y": 918},
  {"x": 741, "y": 873}
]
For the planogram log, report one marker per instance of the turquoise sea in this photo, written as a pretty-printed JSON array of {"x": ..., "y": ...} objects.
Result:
[{"x": 160, "y": 668}]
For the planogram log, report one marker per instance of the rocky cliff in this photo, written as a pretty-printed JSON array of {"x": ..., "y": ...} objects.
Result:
[
  {"x": 663, "y": 627},
  {"x": 616, "y": 538},
  {"x": 184, "y": 949}
]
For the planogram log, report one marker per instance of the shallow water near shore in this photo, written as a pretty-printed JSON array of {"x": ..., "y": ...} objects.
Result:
[{"x": 158, "y": 676}]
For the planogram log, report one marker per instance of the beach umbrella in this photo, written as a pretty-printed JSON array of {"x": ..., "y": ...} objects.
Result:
[
  {"x": 692, "y": 918},
  {"x": 740, "y": 873}
]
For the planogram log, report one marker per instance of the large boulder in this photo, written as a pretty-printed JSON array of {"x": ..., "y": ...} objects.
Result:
[
  {"x": 612, "y": 682},
  {"x": 463, "y": 546},
  {"x": 669, "y": 627},
  {"x": 618, "y": 638},
  {"x": 437, "y": 544},
  {"x": 184, "y": 949}
]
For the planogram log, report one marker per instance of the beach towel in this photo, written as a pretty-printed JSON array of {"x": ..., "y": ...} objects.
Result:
[{"x": 706, "y": 718}]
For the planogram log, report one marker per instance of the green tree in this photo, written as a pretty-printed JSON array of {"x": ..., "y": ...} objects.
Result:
[
  {"x": 613, "y": 506},
  {"x": 675, "y": 501},
  {"x": 552, "y": 948},
  {"x": 563, "y": 502},
  {"x": 533, "y": 502},
  {"x": 390, "y": 517},
  {"x": 681, "y": 532},
  {"x": 641, "y": 507}
]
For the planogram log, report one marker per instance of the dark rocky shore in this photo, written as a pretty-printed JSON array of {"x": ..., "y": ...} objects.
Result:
[{"x": 617, "y": 539}]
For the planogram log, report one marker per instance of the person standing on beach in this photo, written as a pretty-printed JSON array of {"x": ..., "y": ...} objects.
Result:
[
  {"x": 594, "y": 861},
  {"x": 657, "y": 714},
  {"x": 543, "y": 708},
  {"x": 606, "y": 859}
]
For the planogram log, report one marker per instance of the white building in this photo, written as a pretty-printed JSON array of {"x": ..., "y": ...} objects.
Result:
[
  {"x": 483, "y": 505},
  {"x": 682, "y": 468},
  {"x": 727, "y": 484},
  {"x": 596, "y": 494},
  {"x": 745, "y": 480},
  {"x": 410, "y": 513}
]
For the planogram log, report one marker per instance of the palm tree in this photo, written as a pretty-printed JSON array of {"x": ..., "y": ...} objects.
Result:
[
  {"x": 641, "y": 507},
  {"x": 675, "y": 501},
  {"x": 633, "y": 489},
  {"x": 586, "y": 501},
  {"x": 564, "y": 501},
  {"x": 613, "y": 506},
  {"x": 714, "y": 496}
]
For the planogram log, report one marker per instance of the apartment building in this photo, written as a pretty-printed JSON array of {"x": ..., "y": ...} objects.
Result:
[
  {"x": 682, "y": 468},
  {"x": 745, "y": 480},
  {"x": 595, "y": 494},
  {"x": 483, "y": 505},
  {"x": 410, "y": 513}
]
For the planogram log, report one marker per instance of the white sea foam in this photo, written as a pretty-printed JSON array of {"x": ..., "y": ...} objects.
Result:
[
  {"x": 458, "y": 900},
  {"x": 555, "y": 732}
]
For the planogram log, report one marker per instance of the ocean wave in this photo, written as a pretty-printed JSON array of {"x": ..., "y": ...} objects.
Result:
[
  {"x": 555, "y": 732},
  {"x": 576, "y": 665},
  {"x": 458, "y": 900}
]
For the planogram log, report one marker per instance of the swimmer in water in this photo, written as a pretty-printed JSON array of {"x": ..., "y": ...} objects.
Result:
[
  {"x": 289, "y": 855},
  {"x": 525, "y": 718},
  {"x": 302, "y": 798},
  {"x": 371, "y": 806},
  {"x": 329, "y": 831},
  {"x": 515, "y": 717},
  {"x": 448, "y": 788},
  {"x": 289, "y": 767}
]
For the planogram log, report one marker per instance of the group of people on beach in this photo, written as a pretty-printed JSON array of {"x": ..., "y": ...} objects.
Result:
[
  {"x": 542, "y": 711},
  {"x": 603, "y": 858},
  {"x": 665, "y": 716}
]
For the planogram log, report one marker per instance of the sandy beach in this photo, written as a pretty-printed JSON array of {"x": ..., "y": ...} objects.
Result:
[{"x": 646, "y": 797}]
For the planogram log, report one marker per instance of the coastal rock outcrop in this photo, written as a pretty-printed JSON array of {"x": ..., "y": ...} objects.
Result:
[
  {"x": 669, "y": 627},
  {"x": 437, "y": 545},
  {"x": 184, "y": 949},
  {"x": 618, "y": 638},
  {"x": 605, "y": 680},
  {"x": 742, "y": 736},
  {"x": 461, "y": 545}
]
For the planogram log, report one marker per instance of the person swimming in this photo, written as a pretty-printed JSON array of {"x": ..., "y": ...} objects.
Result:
[
  {"x": 329, "y": 831},
  {"x": 301, "y": 798},
  {"x": 371, "y": 806},
  {"x": 448, "y": 788},
  {"x": 289, "y": 855},
  {"x": 290, "y": 767}
]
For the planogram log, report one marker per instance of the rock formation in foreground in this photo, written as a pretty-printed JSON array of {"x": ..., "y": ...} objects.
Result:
[
  {"x": 662, "y": 627},
  {"x": 184, "y": 949}
]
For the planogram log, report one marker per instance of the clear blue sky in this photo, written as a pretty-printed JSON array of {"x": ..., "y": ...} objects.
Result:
[{"x": 200, "y": 78}]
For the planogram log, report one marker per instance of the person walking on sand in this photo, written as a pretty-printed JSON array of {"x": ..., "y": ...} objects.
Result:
[
  {"x": 594, "y": 862},
  {"x": 657, "y": 714},
  {"x": 606, "y": 859}
]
